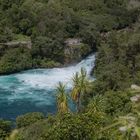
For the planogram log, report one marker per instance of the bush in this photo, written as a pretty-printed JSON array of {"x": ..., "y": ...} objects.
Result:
[
  {"x": 5, "y": 128},
  {"x": 14, "y": 60},
  {"x": 28, "y": 119}
]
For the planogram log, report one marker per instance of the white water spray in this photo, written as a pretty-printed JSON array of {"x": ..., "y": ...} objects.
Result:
[
  {"x": 37, "y": 88},
  {"x": 49, "y": 78}
]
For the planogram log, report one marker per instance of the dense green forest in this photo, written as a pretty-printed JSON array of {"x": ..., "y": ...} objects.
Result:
[
  {"x": 107, "y": 109},
  {"x": 48, "y": 23}
]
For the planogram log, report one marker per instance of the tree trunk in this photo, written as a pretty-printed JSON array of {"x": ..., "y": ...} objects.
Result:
[{"x": 79, "y": 103}]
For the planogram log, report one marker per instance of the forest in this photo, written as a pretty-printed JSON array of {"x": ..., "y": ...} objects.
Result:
[
  {"x": 107, "y": 108},
  {"x": 48, "y": 23}
]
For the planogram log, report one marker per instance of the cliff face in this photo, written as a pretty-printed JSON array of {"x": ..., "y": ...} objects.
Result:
[
  {"x": 74, "y": 53},
  {"x": 133, "y": 4}
]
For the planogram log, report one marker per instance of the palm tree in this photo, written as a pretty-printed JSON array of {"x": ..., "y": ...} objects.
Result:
[
  {"x": 62, "y": 104},
  {"x": 81, "y": 86}
]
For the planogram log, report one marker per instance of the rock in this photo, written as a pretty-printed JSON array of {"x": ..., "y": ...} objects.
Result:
[
  {"x": 15, "y": 44},
  {"x": 75, "y": 50},
  {"x": 135, "y": 87},
  {"x": 123, "y": 129},
  {"x": 135, "y": 98},
  {"x": 73, "y": 41}
]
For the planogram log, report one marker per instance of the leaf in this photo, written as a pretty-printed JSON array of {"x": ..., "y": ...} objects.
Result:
[{"x": 137, "y": 130}]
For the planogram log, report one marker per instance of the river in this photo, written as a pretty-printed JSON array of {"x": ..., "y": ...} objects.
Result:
[{"x": 35, "y": 90}]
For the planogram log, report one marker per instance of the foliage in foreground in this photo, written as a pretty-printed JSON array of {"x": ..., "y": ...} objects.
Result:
[
  {"x": 111, "y": 116},
  {"x": 101, "y": 119}
]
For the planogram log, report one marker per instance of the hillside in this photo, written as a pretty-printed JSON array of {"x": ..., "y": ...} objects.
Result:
[{"x": 48, "y": 24}]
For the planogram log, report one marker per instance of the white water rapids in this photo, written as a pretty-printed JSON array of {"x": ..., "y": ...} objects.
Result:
[{"x": 34, "y": 90}]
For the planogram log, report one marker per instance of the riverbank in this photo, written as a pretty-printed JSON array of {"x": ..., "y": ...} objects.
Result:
[{"x": 20, "y": 59}]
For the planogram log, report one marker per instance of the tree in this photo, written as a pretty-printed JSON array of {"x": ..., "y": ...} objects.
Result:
[
  {"x": 19, "y": 60},
  {"x": 5, "y": 34},
  {"x": 81, "y": 86},
  {"x": 62, "y": 101},
  {"x": 90, "y": 35}
]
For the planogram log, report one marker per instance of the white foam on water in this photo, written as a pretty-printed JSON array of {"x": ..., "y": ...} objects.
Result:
[
  {"x": 23, "y": 85},
  {"x": 49, "y": 78}
]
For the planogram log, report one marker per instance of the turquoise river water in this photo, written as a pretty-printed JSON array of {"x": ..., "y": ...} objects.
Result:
[{"x": 35, "y": 90}]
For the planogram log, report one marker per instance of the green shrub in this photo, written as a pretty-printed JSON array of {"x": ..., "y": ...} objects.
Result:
[
  {"x": 5, "y": 129},
  {"x": 28, "y": 119},
  {"x": 14, "y": 60}
]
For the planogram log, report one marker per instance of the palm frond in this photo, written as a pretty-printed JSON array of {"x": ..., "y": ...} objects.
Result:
[{"x": 62, "y": 104}]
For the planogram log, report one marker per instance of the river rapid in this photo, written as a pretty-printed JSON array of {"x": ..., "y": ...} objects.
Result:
[{"x": 35, "y": 90}]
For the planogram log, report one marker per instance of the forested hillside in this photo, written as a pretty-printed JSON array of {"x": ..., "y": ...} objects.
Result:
[
  {"x": 48, "y": 23},
  {"x": 118, "y": 57},
  {"x": 107, "y": 108}
]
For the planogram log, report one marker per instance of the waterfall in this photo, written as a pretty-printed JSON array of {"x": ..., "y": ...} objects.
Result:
[{"x": 34, "y": 90}]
